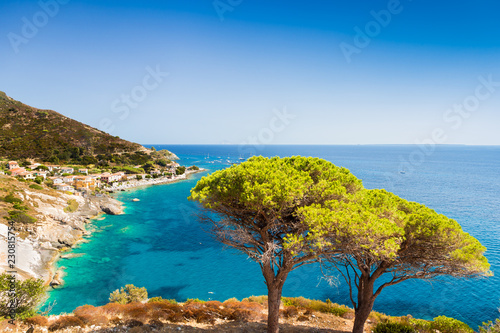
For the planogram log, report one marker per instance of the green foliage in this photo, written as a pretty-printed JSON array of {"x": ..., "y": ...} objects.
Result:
[
  {"x": 159, "y": 299},
  {"x": 315, "y": 305},
  {"x": 128, "y": 294},
  {"x": 421, "y": 325},
  {"x": 194, "y": 168},
  {"x": 180, "y": 170},
  {"x": 72, "y": 206},
  {"x": 12, "y": 199},
  {"x": 29, "y": 294},
  {"x": 38, "y": 180},
  {"x": 194, "y": 300},
  {"x": 36, "y": 187},
  {"x": 490, "y": 327},
  {"x": 18, "y": 206},
  {"x": 450, "y": 325},
  {"x": 128, "y": 169},
  {"x": 393, "y": 327},
  {"x": 17, "y": 216}
]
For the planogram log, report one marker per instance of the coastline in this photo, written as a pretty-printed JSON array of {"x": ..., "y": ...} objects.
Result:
[
  {"x": 153, "y": 181},
  {"x": 58, "y": 274}
]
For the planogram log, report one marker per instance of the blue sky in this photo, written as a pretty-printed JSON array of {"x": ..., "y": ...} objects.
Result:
[{"x": 271, "y": 72}]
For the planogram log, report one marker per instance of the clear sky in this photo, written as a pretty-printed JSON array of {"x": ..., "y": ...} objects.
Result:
[{"x": 276, "y": 72}]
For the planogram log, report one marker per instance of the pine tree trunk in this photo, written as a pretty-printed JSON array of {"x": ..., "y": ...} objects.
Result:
[
  {"x": 366, "y": 299},
  {"x": 273, "y": 302}
]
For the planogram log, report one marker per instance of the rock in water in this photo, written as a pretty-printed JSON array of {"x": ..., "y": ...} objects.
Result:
[{"x": 136, "y": 199}]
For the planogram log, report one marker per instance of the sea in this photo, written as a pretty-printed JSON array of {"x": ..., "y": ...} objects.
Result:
[{"x": 159, "y": 243}]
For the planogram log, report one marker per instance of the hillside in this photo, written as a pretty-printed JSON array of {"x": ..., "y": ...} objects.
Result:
[{"x": 28, "y": 132}]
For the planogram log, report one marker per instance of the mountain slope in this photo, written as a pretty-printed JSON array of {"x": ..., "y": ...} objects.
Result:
[{"x": 28, "y": 132}]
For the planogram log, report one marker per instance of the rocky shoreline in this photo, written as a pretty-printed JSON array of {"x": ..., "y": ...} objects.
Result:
[
  {"x": 55, "y": 231},
  {"x": 58, "y": 231}
]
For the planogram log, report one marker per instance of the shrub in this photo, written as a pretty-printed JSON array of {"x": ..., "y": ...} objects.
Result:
[
  {"x": 37, "y": 321},
  {"x": 128, "y": 294},
  {"x": 180, "y": 170},
  {"x": 10, "y": 198},
  {"x": 194, "y": 300},
  {"x": 137, "y": 311},
  {"x": 421, "y": 325},
  {"x": 18, "y": 206},
  {"x": 194, "y": 167},
  {"x": 29, "y": 293},
  {"x": 90, "y": 315},
  {"x": 450, "y": 325},
  {"x": 392, "y": 327},
  {"x": 158, "y": 299},
  {"x": 290, "y": 312},
  {"x": 490, "y": 327},
  {"x": 72, "y": 206},
  {"x": 255, "y": 299},
  {"x": 303, "y": 318},
  {"x": 17, "y": 216},
  {"x": 66, "y": 321},
  {"x": 36, "y": 187}
]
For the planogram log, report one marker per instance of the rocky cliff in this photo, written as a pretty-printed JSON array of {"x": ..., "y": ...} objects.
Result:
[{"x": 39, "y": 244}]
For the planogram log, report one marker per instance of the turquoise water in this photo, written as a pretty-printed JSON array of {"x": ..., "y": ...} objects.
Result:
[{"x": 159, "y": 243}]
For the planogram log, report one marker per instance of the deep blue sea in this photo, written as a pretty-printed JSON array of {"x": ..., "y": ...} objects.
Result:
[{"x": 159, "y": 243}]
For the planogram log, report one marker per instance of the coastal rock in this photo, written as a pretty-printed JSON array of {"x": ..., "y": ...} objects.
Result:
[
  {"x": 112, "y": 209},
  {"x": 57, "y": 280}
]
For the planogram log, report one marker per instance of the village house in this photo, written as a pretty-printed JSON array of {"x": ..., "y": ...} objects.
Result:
[
  {"x": 65, "y": 187},
  {"x": 67, "y": 170},
  {"x": 42, "y": 174},
  {"x": 17, "y": 171},
  {"x": 56, "y": 180},
  {"x": 110, "y": 178},
  {"x": 84, "y": 171},
  {"x": 26, "y": 175},
  {"x": 155, "y": 172},
  {"x": 131, "y": 177},
  {"x": 52, "y": 167},
  {"x": 69, "y": 179},
  {"x": 82, "y": 182},
  {"x": 34, "y": 166},
  {"x": 12, "y": 165}
]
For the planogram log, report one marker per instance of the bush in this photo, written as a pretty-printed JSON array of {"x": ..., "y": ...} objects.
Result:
[
  {"x": 490, "y": 327},
  {"x": 17, "y": 216},
  {"x": 290, "y": 312},
  {"x": 36, "y": 187},
  {"x": 72, "y": 206},
  {"x": 37, "y": 321},
  {"x": 194, "y": 167},
  {"x": 90, "y": 315},
  {"x": 29, "y": 294},
  {"x": 18, "y": 206},
  {"x": 450, "y": 325},
  {"x": 421, "y": 325},
  {"x": 10, "y": 198},
  {"x": 66, "y": 321},
  {"x": 128, "y": 294},
  {"x": 38, "y": 180},
  {"x": 180, "y": 170},
  {"x": 391, "y": 327},
  {"x": 161, "y": 300}
]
